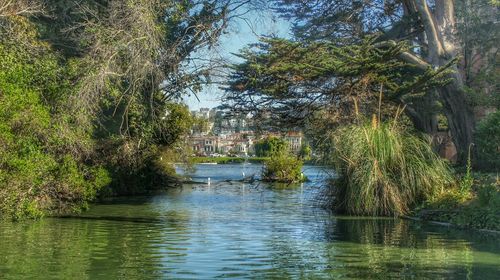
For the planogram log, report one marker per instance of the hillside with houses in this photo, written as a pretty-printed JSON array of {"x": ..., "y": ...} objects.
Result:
[{"x": 224, "y": 135}]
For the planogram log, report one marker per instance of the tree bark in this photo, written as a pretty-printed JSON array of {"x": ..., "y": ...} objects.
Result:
[
  {"x": 422, "y": 116},
  {"x": 459, "y": 115},
  {"x": 442, "y": 46}
]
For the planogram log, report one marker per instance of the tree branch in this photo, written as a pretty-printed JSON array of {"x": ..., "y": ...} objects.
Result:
[
  {"x": 406, "y": 56},
  {"x": 431, "y": 31},
  {"x": 445, "y": 18}
]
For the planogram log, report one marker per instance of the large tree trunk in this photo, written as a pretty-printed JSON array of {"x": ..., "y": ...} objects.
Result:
[
  {"x": 423, "y": 115},
  {"x": 442, "y": 46},
  {"x": 459, "y": 114}
]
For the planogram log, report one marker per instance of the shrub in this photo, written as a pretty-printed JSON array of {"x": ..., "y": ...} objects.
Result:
[
  {"x": 35, "y": 178},
  {"x": 488, "y": 195},
  {"x": 268, "y": 146},
  {"x": 488, "y": 142},
  {"x": 384, "y": 170},
  {"x": 283, "y": 167},
  {"x": 478, "y": 208},
  {"x": 44, "y": 164},
  {"x": 449, "y": 199}
]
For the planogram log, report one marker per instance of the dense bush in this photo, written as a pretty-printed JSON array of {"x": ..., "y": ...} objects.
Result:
[
  {"x": 42, "y": 169},
  {"x": 55, "y": 157},
  {"x": 283, "y": 167},
  {"x": 478, "y": 209},
  {"x": 384, "y": 170},
  {"x": 134, "y": 159},
  {"x": 268, "y": 146},
  {"x": 488, "y": 142}
]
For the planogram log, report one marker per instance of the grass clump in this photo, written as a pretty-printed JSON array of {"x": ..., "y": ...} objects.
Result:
[{"x": 384, "y": 170}]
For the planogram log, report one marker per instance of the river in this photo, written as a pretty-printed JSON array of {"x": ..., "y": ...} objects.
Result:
[{"x": 234, "y": 230}]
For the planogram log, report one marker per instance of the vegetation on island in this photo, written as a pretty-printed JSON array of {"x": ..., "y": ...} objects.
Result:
[{"x": 283, "y": 168}]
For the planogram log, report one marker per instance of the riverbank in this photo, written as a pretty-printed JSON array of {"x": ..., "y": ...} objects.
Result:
[
  {"x": 478, "y": 208},
  {"x": 227, "y": 160}
]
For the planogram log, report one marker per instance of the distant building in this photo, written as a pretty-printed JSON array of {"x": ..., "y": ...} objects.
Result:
[
  {"x": 203, "y": 113},
  {"x": 235, "y": 143},
  {"x": 294, "y": 140},
  {"x": 204, "y": 145},
  {"x": 233, "y": 135}
]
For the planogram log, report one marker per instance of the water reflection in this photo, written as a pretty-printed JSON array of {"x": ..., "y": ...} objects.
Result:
[{"x": 236, "y": 230}]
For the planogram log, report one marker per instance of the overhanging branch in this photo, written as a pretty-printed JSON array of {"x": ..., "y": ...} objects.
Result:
[{"x": 406, "y": 56}]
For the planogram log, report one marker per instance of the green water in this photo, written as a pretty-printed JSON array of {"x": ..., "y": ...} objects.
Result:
[{"x": 239, "y": 231}]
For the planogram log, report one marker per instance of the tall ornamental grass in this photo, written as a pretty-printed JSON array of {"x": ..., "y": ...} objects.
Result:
[{"x": 384, "y": 170}]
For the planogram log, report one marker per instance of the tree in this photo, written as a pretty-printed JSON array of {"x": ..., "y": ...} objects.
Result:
[
  {"x": 200, "y": 125},
  {"x": 46, "y": 166},
  {"x": 305, "y": 152},
  {"x": 480, "y": 60},
  {"x": 291, "y": 81},
  {"x": 429, "y": 27},
  {"x": 10, "y": 8},
  {"x": 270, "y": 146}
]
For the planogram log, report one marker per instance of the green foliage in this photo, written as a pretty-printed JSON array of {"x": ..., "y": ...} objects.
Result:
[
  {"x": 479, "y": 34},
  {"x": 479, "y": 208},
  {"x": 269, "y": 146},
  {"x": 305, "y": 152},
  {"x": 384, "y": 170},
  {"x": 175, "y": 124},
  {"x": 489, "y": 195},
  {"x": 467, "y": 180},
  {"x": 284, "y": 168},
  {"x": 488, "y": 142},
  {"x": 141, "y": 161},
  {"x": 292, "y": 79},
  {"x": 39, "y": 173},
  {"x": 281, "y": 166},
  {"x": 449, "y": 199},
  {"x": 200, "y": 125},
  {"x": 87, "y": 85}
]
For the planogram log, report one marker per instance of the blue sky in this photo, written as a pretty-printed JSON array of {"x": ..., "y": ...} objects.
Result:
[{"x": 241, "y": 32}]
